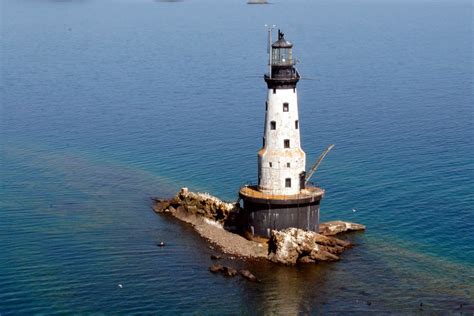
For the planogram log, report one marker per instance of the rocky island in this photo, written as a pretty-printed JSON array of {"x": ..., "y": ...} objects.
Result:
[
  {"x": 219, "y": 223},
  {"x": 279, "y": 216}
]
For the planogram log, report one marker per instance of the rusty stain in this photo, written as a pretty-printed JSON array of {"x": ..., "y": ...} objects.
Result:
[{"x": 252, "y": 191}]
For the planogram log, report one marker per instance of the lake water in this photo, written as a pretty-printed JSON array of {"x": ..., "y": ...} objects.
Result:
[{"x": 107, "y": 103}]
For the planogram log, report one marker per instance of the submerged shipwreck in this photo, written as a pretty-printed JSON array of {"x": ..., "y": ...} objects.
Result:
[{"x": 279, "y": 215}]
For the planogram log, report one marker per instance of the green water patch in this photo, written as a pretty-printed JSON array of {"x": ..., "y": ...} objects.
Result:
[{"x": 73, "y": 209}]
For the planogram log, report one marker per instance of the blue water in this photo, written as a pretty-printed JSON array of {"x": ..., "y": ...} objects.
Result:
[{"x": 107, "y": 103}]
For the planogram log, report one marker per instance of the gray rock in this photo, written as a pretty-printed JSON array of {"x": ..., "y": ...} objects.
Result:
[
  {"x": 248, "y": 275},
  {"x": 287, "y": 245},
  {"x": 161, "y": 205},
  {"x": 199, "y": 204},
  {"x": 323, "y": 255},
  {"x": 191, "y": 208},
  {"x": 306, "y": 259},
  {"x": 293, "y": 245},
  {"x": 229, "y": 271},
  {"x": 336, "y": 227},
  {"x": 216, "y": 268}
]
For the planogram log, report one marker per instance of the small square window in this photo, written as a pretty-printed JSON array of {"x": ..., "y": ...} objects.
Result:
[
  {"x": 286, "y": 143},
  {"x": 288, "y": 165},
  {"x": 273, "y": 125},
  {"x": 288, "y": 183},
  {"x": 286, "y": 107},
  {"x": 270, "y": 164},
  {"x": 296, "y": 124}
]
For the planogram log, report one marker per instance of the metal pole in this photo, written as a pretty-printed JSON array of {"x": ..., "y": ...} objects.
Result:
[
  {"x": 316, "y": 165},
  {"x": 269, "y": 48}
]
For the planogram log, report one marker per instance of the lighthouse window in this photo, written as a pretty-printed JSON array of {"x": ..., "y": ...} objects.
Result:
[
  {"x": 285, "y": 107},
  {"x": 288, "y": 165},
  {"x": 296, "y": 124},
  {"x": 273, "y": 125},
  {"x": 270, "y": 164},
  {"x": 288, "y": 183},
  {"x": 286, "y": 143}
]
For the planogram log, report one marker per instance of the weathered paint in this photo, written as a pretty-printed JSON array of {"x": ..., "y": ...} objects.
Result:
[
  {"x": 307, "y": 195},
  {"x": 281, "y": 200},
  {"x": 264, "y": 212},
  {"x": 261, "y": 218},
  {"x": 275, "y": 162}
]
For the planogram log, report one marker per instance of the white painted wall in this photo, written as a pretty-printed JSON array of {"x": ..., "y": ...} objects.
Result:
[{"x": 272, "y": 178}]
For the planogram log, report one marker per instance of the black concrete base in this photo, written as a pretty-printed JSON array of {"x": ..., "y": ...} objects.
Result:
[{"x": 264, "y": 215}]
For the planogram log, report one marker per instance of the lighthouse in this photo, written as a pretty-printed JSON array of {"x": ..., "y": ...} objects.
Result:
[{"x": 281, "y": 197}]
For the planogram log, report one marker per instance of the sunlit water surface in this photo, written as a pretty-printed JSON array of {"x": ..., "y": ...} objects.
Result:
[{"x": 107, "y": 103}]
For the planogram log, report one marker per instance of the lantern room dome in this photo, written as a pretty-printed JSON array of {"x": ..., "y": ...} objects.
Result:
[{"x": 281, "y": 42}]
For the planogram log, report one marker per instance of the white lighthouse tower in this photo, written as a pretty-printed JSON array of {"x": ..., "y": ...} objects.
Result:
[
  {"x": 281, "y": 161},
  {"x": 281, "y": 197}
]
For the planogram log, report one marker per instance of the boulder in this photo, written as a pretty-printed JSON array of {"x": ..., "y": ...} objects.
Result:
[
  {"x": 246, "y": 274},
  {"x": 323, "y": 255},
  {"x": 336, "y": 227},
  {"x": 330, "y": 241},
  {"x": 293, "y": 245},
  {"x": 216, "y": 268},
  {"x": 229, "y": 271},
  {"x": 161, "y": 205},
  {"x": 192, "y": 209},
  {"x": 200, "y": 204},
  {"x": 287, "y": 245},
  {"x": 306, "y": 259}
]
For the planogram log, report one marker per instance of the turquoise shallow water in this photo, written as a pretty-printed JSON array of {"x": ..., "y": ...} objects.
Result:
[{"x": 107, "y": 103}]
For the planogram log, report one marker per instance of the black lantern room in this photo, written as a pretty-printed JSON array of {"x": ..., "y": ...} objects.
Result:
[{"x": 283, "y": 73}]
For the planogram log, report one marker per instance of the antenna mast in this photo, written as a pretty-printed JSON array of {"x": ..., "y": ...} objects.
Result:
[{"x": 269, "y": 48}]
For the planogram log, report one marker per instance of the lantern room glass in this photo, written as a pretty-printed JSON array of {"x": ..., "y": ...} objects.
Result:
[{"x": 282, "y": 56}]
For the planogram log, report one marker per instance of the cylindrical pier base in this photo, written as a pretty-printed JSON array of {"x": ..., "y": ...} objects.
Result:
[{"x": 264, "y": 212}]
